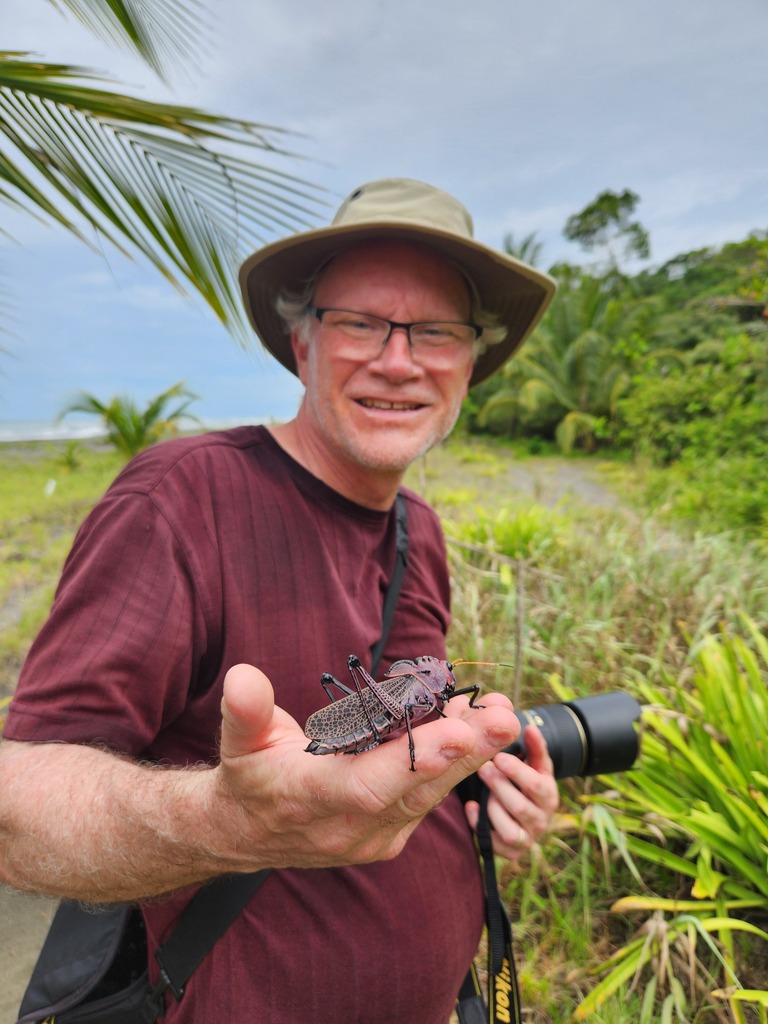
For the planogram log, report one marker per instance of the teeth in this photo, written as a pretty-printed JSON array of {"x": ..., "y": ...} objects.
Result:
[{"x": 371, "y": 403}]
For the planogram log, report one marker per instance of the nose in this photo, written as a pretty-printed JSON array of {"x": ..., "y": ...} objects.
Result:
[{"x": 395, "y": 358}]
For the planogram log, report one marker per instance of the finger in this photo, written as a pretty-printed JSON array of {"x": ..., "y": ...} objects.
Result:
[
  {"x": 508, "y": 803},
  {"x": 510, "y": 838},
  {"x": 446, "y": 751},
  {"x": 521, "y": 787},
  {"x": 537, "y": 752},
  {"x": 250, "y": 720},
  {"x": 459, "y": 706}
]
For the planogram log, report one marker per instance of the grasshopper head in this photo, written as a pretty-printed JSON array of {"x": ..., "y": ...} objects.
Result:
[{"x": 438, "y": 675}]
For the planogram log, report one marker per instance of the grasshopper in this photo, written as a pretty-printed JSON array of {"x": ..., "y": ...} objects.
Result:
[{"x": 369, "y": 714}]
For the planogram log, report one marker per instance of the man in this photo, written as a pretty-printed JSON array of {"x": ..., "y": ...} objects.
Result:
[{"x": 176, "y": 759}]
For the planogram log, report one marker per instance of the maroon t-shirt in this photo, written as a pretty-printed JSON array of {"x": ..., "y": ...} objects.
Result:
[{"x": 211, "y": 551}]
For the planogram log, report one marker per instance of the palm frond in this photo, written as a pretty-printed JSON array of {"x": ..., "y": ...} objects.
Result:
[
  {"x": 168, "y": 182},
  {"x": 160, "y": 32},
  {"x": 574, "y": 426},
  {"x": 503, "y": 403},
  {"x": 549, "y": 382}
]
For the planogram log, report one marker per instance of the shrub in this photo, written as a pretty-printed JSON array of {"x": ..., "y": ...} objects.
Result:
[{"x": 712, "y": 409}]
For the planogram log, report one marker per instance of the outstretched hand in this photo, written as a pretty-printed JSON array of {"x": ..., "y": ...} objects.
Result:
[{"x": 283, "y": 807}]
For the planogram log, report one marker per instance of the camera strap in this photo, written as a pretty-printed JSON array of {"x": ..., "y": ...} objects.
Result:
[{"x": 503, "y": 1006}]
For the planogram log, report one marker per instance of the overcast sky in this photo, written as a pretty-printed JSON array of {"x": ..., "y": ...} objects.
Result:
[{"x": 524, "y": 110}]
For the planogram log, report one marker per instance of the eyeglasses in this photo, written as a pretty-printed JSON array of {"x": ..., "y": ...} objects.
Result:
[{"x": 432, "y": 339}]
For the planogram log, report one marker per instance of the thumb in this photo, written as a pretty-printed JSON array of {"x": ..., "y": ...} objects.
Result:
[{"x": 247, "y": 711}]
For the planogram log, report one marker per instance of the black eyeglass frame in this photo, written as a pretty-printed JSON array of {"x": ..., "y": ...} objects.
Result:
[{"x": 318, "y": 314}]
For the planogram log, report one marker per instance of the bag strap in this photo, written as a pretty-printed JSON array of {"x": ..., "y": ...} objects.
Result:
[
  {"x": 201, "y": 925},
  {"x": 393, "y": 590},
  {"x": 216, "y": 906}
]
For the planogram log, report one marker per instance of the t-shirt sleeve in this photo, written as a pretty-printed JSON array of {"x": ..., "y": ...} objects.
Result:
[{"x": 114, "y": 662}]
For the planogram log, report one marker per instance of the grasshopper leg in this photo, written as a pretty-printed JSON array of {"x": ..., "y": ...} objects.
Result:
[
  {"x": 474, "y": 690},
  {"x": 327, "y": 680}
]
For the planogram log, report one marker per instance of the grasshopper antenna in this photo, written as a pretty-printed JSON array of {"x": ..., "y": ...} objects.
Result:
[{"x": 492, "y": 664}]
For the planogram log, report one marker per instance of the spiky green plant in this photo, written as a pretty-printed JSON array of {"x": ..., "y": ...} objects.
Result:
[
  {"x": 698, "y": 807},
  {"x": 131, "y": 429}
]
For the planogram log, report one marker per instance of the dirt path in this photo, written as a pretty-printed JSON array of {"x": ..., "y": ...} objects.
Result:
[
  {"x": 550, "y": 481},
  {"x": 24, "y": 923},
  {"x": 498, "y": 478}
]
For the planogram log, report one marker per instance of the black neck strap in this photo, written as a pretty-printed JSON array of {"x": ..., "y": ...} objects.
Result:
[{"x": 393, "y": 590}]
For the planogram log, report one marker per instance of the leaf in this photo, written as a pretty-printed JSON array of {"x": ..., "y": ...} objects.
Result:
[
  {"x": 743, "y": 995},
  {"x": 630, "y": 904},
  {"x": 162, "y": 181},
  {"x": 609, "y": 985},
  {"x": 159, "y": 32},
  {"x": 716, "y": 924},
  {"x": 606, "y": 829},
  {"x": 658, "y": 855},
  {"x": 708, "y": 881}
]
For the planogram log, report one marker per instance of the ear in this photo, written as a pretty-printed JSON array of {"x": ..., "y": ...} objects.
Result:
[{"x": 301, "y": 355}]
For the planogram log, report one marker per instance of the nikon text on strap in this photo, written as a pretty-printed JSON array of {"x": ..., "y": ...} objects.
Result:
[{"x": 503, "y": 1006}]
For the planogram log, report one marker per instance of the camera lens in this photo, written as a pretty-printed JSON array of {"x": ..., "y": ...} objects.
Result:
[
  {"x": 589, "y": 736},
  {"x": 565, "y": 736}
]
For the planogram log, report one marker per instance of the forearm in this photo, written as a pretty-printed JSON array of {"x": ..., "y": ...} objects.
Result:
[{"x": 80, "y": 823}]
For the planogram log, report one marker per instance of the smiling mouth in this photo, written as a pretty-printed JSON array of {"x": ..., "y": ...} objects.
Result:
[{"x": 371, "y": 403}]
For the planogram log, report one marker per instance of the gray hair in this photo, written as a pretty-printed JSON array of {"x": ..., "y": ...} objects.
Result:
[{"x": 292, "y": 306}]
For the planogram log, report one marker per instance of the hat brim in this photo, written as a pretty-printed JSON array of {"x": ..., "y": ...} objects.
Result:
[{"x": 516, "y": 293}]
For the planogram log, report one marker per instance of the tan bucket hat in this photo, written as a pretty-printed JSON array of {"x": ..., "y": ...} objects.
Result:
[{"x": 407, "y": 210}]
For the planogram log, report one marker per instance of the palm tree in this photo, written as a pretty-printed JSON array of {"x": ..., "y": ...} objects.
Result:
[
  {"x": 570, "y": 374},
  {"x": 130, "y": 429},
  {"x": 528, "y": 250},
  {"x": 173, "y": 184}
]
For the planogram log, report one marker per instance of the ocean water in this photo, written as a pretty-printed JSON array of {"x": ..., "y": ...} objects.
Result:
[
  {"x": 40, "y": 430},
  {"x": 72, "y": 429}
]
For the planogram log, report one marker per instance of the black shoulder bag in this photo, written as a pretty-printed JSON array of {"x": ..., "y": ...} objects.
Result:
[{"x": 93, "y": 969}]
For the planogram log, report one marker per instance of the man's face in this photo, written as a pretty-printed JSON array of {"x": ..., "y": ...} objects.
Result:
[{"x": 380, "y": 414}]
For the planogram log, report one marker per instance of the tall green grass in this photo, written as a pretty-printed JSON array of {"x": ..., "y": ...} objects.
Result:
[
  {"x": 46, "y": 491},
  {"x": 648, "y": 901}
]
